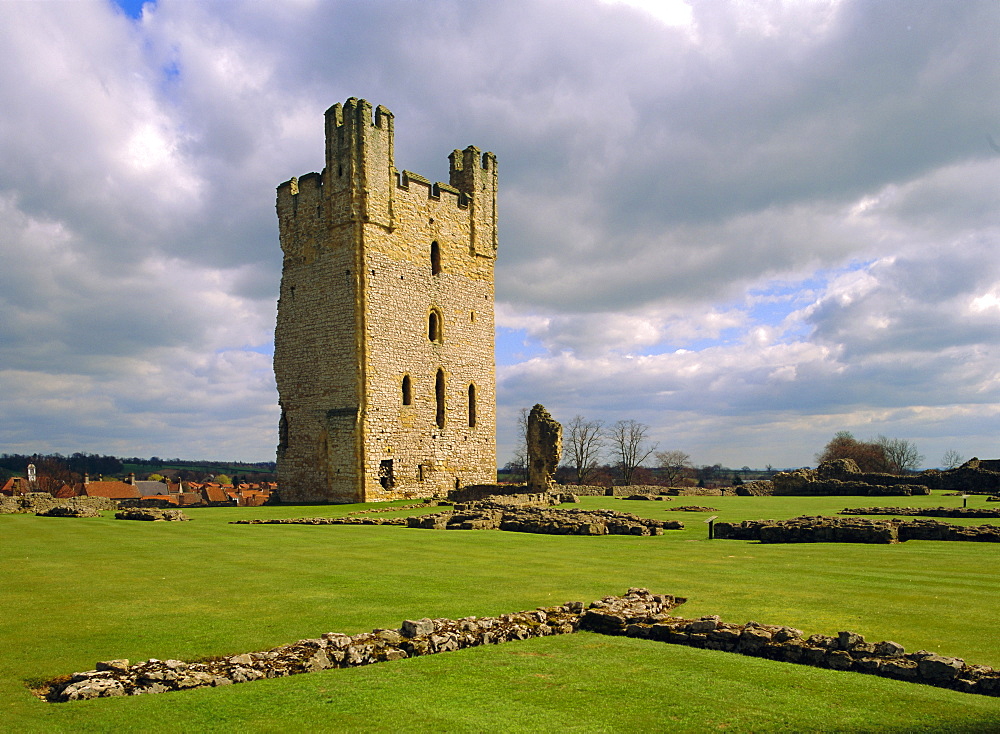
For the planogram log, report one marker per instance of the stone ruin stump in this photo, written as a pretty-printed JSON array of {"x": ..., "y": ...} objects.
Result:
[{"x": 544, "y": 449}]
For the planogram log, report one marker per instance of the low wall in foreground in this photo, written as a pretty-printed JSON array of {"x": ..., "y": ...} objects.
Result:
[{"x": 639, "y": 614}]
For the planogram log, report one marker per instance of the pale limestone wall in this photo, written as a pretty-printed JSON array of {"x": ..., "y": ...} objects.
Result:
[{"x": 353, "y": 319}]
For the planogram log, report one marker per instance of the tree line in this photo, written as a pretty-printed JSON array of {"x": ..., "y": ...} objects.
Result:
[{"x": 596, "y": 453}]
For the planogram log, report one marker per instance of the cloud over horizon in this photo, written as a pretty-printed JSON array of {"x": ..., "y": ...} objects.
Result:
[{"x": 747, "y": 225}]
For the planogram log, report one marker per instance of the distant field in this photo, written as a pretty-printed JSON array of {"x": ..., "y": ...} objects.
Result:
[{"x": 73, "y": 592}]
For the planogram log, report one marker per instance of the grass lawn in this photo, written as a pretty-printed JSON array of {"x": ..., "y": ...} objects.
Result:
[{"x": 75, "y": 591}]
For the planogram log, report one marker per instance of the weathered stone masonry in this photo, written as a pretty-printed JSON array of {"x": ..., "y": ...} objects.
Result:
[{"x": 384, "y": 341}]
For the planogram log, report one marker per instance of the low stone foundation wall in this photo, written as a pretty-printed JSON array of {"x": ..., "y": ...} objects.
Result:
[
  {"x": 810, "y": 530},
  {"x": 498, "y": 516},
  {"x": 503, "y": 501},
  {"x": 852, "y": 530},
  {"x": 587, "y": 490},
  {"x": 700, "y": 491},
  {"x": 396, "y": 508},
  {"x": 639, "y": 614},
  {"x": 923, "y": 511},
  {"x": 551, "y": 522},
  {"x": 836, "y": 487},
  {"x": 157, "y": 504},
  {"x": 847, "y": 651},
  {"x": 65, "y": 511},
  {"x": 151, "y": 514},
  {"x": 936, "y": 530},
  {"x": 477, "y": 492},
  {"x": 633, "y": 489},
  {"x": 36, "y": 502}
]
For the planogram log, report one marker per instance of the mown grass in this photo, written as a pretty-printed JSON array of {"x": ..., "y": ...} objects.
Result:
[{"x": 77, "y": 591}]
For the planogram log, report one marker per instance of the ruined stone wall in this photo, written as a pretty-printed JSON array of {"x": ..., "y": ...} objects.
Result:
[
  {"x": 853, "y": 530},
  {"x": 841, "y": 478},
  {"x": 35, "y": 502},
  {"x": 473, "y": 492},
  {"x": 587, "y": 490},
  {"x": 592, "y": 490},
  {"x": 384, "y": 344}
]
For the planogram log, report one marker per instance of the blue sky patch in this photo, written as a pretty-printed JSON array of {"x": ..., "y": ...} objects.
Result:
[{"x": 133, "y": 8}]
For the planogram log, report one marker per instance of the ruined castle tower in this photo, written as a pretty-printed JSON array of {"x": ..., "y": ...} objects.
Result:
[{"x": 383, "y": 351}]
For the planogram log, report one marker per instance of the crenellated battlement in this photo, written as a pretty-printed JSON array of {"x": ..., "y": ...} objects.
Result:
[
  {"x": 361, "y": 174},
  {"x": 434, "y": 190},
  {"x": 357, "y": 113},
  {"x": 471, "y": 158}
]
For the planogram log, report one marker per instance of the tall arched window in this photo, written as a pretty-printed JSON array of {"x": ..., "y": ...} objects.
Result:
[
  {"x": 283, "y": 430},
  {"x": 434, "y": 323},
  {"x": 439, "y": 398},
  {"x": 435, "y": 258},
  {"x": 472, "y": 406},
  {"x": 407, "y": 391}
]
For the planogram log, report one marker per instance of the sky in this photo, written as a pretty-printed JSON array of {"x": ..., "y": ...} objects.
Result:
[{"x": 747, "y": 225}]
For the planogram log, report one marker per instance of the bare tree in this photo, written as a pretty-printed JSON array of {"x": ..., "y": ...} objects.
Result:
[
  {"x": 584, "y": 440},
  {"x": 900, "y": 455},
  {"x": 630, "y": 445},
  {"x": 952, "y": 459},
  {"x": 519, "y": 463},
  {"x": 672, "y": 465}
]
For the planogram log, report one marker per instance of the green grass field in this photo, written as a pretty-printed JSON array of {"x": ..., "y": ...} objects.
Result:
[{"x": 75, "y": 591}]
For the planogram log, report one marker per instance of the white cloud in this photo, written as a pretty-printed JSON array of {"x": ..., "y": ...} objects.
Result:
[{"x": 749, "y": 225}]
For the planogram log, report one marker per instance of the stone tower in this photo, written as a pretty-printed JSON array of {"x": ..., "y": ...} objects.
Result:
[{"x": 383, "y": 351}]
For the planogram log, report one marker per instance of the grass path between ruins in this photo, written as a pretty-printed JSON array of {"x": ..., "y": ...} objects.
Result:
[{"x": 75, "y": 591}]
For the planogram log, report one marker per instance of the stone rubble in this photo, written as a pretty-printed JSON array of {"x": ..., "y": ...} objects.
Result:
[{"x": 638, "y": 613}]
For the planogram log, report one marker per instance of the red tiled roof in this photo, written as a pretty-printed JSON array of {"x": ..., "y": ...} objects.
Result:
[
  {"x": 65, "y": 491},
  {"x": 214, "y": 494},
  {"x": 171, "y": 498},
  {"x": 8, "y": 487},
  {"x": 113, "y": 490}
]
